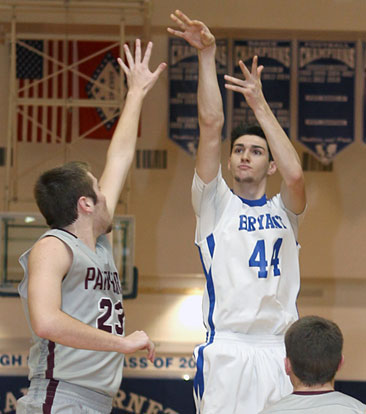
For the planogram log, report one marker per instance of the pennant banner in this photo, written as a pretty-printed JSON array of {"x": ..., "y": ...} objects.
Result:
[
  {"x": 326, "y": 73},
  {"x": 275, "y": 56},
  {"x": 183, "y": 77}
]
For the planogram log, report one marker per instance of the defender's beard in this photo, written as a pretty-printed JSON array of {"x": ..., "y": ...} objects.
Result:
[{"x": 109, "y": 228}]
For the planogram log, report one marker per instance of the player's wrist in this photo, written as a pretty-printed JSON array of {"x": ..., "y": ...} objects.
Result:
[
  {"x": 136, "y": 92},
  {"x": 208, "y": 51},
  {"x": 261, "y": 108}
]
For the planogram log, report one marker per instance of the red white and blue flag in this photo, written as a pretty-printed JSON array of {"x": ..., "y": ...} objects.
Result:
[{"x": 52, "y": 75}]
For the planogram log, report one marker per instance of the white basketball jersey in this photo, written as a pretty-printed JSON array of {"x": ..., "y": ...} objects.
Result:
[
  {"x": 249, "y": 254},
  {"x": 91, "y": 293}
]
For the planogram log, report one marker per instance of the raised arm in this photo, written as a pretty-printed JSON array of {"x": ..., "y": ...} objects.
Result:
[
  {"x": 284, "y": 154},
  {"x": 122, "y": 147},
  {"x": 51, "y": 257},
  {"x": 210, "y": 110}
]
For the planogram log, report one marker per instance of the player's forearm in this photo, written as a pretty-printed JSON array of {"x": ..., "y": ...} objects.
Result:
[
  {"x": 210, "y": 109},
  {"x": 125, "y": 135},
  {"x": 65, "y": 330},
  {"x": 210, "y": 116},
  {"x": 121, "y": 150},
  {"x": 284, "y": 154}
]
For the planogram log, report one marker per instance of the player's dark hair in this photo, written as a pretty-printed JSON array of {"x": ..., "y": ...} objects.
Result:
[
  {"x": 57, "y": 192},
  {"x": 253, "y": 129},
  {"x": 314, "y": 348}
]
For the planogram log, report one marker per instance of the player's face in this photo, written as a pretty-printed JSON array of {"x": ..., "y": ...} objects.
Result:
[
  {"x": 102, "y": 217},
  {"x": 249, "y": 159}
]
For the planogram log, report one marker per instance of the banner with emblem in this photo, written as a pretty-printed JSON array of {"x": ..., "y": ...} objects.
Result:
[
  {"x": 183, "y": 78},
  {"x": 275, "y": 56},
  {"x": 326, "y": 76},
  {"x": 98, "y": 61},
  {"x": 52, "y": 74}
]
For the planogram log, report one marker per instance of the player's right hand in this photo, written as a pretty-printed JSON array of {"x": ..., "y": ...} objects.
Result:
[
  {"x": 196, "y": 33},
  {"x": 139, "y": 340}
]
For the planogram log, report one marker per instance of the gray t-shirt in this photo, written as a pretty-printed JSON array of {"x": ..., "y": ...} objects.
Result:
[
  {"x": 91, "y": 293},
  {"x": 317, "y": 403}
]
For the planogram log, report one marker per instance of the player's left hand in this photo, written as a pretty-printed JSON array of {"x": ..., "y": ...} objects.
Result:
[
  {"x": 196, "y": 33},
  {"x": 139, "y": 77},
  {"x": 251, "y": 86}
]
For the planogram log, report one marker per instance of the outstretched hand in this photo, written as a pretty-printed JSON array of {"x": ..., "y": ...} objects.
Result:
[
  {"x": 196, "y": 33},
  {"x": 251, "y": 86},
  {"x": 138, "y": 74}
]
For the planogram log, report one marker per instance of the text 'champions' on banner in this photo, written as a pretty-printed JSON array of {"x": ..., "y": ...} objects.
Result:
[
  {"x": 183, "y": 80},
  {"x": 275, "y": 56},
  {"x": 326, "y": 76}
]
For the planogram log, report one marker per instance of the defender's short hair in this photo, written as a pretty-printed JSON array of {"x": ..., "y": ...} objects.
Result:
[
  {"x": 58, "y": 190},
  {"x": 314, "y": 348}
]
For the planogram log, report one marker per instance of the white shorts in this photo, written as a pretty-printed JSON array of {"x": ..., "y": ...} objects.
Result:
[
  {"x": 240, "y": 374},
  {"x": 58, "y": 397}
]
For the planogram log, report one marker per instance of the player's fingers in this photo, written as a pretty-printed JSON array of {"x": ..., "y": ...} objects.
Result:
[
  {"x": 236, "y": 81},
  {"x": 178, "y": 21},
  {"x": 234, "y": 87},
  {"x": 151, "y": 351},
  {"x": 254, "y": 65},
  {"x": 244, "y": 69},
  {"x": 123, "y": 66},
  {"x": 138, "y": 51},
  {"x": 175, "y": 32},
  {"x": 160, "y": 69},
  {"x": 259, "y": 70},
  {"x": 147, "y": 54},
  {"x": 185, "y": 19},
  {"x": 128, "y": 56},
  {"x": 153, "y": 356}
]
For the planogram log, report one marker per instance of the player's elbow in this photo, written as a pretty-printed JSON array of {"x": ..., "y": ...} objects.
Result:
[
  {"x": 43, "y": 326},
  {"x": 213, "y": 120},
  {"x": 296, "y": 179}
]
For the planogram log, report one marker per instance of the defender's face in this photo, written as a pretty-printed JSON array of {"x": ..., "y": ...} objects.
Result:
[{"x": 249, "y": 159}]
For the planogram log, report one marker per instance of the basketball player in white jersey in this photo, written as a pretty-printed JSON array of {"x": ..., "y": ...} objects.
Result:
[
  {"x": 71, "y": 290},
  {"x": 247, "y": 242}
]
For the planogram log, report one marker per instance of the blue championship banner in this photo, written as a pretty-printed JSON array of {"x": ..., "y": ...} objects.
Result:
[
  {"x": 183, "y": 78},
  {"x": 275, "y": 56},
  {"x": 326, "y": 97}
]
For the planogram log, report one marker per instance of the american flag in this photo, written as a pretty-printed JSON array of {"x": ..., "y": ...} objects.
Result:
[{"x": 51, "y": 73}]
